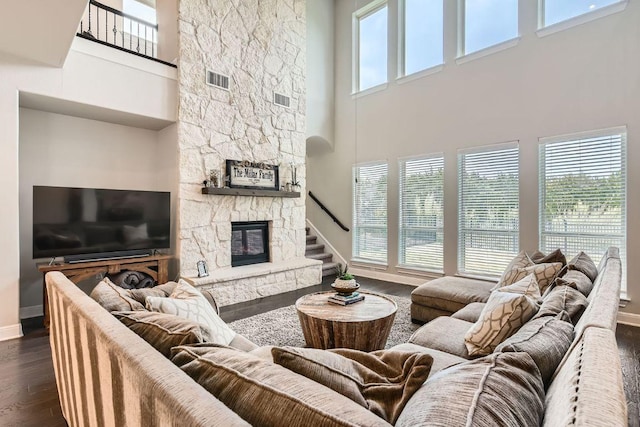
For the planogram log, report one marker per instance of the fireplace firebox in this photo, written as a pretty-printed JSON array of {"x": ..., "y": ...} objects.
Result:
[{"x": 249, "y": 243}]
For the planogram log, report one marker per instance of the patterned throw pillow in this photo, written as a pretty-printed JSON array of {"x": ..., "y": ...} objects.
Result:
[
  {"x": 507, "y": 309},
  {"x": 186, "y": 301},
  {"x": 522, "y": 266}
]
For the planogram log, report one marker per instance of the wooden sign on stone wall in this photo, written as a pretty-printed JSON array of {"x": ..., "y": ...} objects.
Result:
[{"x": 246, "y": 174}]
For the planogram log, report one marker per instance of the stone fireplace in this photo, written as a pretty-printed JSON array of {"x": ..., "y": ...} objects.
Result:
[{"x": 261, "y": 48}]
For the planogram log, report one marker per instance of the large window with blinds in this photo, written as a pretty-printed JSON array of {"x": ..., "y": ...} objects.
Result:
[
  {"x": 421, "y": 212},
  {"x": 583, "y": 192},
  {"x": 370, "y": 212},
  {"x": 488, "y": 209}
]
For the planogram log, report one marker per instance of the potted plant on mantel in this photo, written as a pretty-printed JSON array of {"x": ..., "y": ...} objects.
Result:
[{"x": 345, "y": 283}]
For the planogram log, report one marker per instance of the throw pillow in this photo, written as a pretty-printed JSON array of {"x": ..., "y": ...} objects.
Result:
[
  {"x": 522, "y": 266},
  {"x": 267, "y": 394},
  {"x": 502, "y": 389},
  {"x": 163, "y": 331},
  {"x": 545, "y": 339},
  {"x": 113, "y": 297},
  {"x": 583, "y": 263},
  {"x": 578, "y": 280},
  {"x": 519, "y": 261},
  {"x": 507, "y": 309},
  {"x": 187, "y": 302},
  {"x": 563, "y": 297},
  {"x": 555, "y": 256},
  {"x": 381, "y": 381},
  {"x": 163, "y": 290}
]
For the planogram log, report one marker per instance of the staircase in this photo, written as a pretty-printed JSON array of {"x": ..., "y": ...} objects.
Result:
[{"x": 316, "y": 251}]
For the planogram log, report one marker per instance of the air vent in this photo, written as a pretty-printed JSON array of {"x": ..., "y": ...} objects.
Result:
[
  {"x": 282, "y": 100},
  {"x": 217, "y": 80}
]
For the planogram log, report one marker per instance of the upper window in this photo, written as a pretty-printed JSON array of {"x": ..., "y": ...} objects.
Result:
[
  {"x": 422, "y": 212},
  {"x": 583, "y": 193},
  {"x": 141, "y": 10},
  {"x": 370, "y": 212},
  {"x": 488, "y": 209},
  {"x": 488, "y": 22},
  {"x": 370, "y": 46},
  {"x": 421, "y": 35},
  {"x": 554, "y": 11}
]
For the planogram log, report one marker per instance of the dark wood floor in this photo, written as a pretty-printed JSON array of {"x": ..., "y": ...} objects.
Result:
[{"x": 28, "y": 395}]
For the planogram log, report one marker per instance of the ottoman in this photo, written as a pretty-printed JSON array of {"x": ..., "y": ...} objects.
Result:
[{"x": 445, "y": 296}]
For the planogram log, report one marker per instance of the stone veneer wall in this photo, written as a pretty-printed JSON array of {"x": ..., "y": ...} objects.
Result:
[{"x": 260, "y": 44}]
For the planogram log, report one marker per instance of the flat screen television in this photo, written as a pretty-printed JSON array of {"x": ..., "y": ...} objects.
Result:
[{"x": 91, "y": 223}]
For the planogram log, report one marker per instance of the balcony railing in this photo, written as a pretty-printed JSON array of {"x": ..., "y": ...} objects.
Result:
[{"x": 111, "y": 27}]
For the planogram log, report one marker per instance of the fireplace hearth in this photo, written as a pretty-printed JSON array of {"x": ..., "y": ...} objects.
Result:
[{"x": 249, "y": 243}]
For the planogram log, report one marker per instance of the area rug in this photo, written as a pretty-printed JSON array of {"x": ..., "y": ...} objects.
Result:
[{"x": 282, "y": 327}]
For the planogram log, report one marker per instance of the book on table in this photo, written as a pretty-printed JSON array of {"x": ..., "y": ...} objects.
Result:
[{"x": 346, "y": 299}]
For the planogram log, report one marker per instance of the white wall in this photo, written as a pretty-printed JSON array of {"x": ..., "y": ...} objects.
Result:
[
  {"x": 116, "y": 84},
  {"x": 320, "y": 69},
  {"x": 66, "y": 151},
  {"x": 583, "y": 78}
]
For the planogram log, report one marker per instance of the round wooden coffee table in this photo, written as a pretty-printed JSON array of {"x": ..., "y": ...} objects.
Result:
[{"x": 364, "y": 325}]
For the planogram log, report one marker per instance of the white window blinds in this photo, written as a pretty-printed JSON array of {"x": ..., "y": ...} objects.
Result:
[
  {"x": 370, "y": 212},
  {"x": 583, "y": 193},
  {"x": 488, "y": 209},
  {"x": 421, "y": 212}
]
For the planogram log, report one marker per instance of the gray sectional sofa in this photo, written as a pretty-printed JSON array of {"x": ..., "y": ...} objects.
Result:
[{"x": 109, "y": 376}]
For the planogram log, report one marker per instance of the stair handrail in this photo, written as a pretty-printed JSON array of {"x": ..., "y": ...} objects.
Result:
[{"x": 324, "y": 208}]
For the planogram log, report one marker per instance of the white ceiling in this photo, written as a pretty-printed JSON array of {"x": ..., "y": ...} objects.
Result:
[
  {"x": 77, "y": 109},
  {"x": 40, "y": 30}
]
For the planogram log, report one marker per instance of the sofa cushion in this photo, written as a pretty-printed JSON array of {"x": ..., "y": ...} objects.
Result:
[
  {"x": 450, "y": 294},
  {"x": 114, "y": 298},
  {"x": 502, "y": 389},
  {"x": 578, "y": 280},
  {"x": 443, "y": 334},
  {"x": 266, "y": 394},
  {"x": 545, "y": 339},
  {"x": 441, "y": 359},
  {"x": 381, "y": 381},
  {"x": 470, "y": 313},
  {"x": 563, "y": 298},
  {"x": 163, "y": 331},
  {"x": 506, "y": 311},
  {"x": 186, "y": 301},
  {"x": 584, "y": 264}
]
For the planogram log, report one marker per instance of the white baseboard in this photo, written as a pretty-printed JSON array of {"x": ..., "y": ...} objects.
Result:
[
  {"x": 629, "y": 319},
  {"x": 31, "y": 311},
  {"x": 10, "y": 332},
  {"x": 387, "y": 277}
]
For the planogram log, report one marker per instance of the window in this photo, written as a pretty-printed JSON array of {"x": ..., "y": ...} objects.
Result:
[
  {"x": 488, "y": 22},
  {"x": 370, "y": 212},
  {"x": 421, "y": 212},
  {"x": 370, "y": 46},
  {"x": 141, "y": 9},
  {"x": 421, "y": 29},
  {"x": 488, "y": 209},
  {"x": 583, "y": 193},
  {"x": 554, "y": 11}
]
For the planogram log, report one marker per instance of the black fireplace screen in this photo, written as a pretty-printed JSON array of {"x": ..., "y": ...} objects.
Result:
[{"x": 249, "y": 243}]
